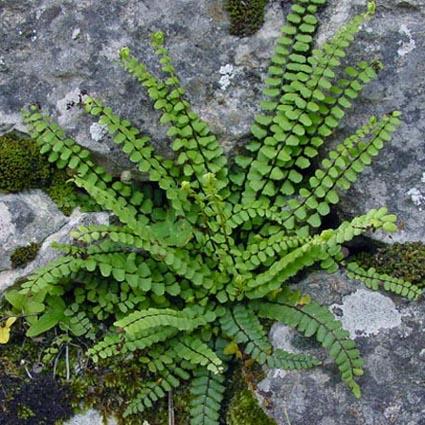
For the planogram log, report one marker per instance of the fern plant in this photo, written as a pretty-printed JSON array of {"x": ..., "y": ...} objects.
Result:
[{"x": 208, "y": 248}]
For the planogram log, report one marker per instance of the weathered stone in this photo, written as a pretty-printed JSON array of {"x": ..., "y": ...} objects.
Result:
[
  {"x": 44, "y": 223},
  {"x": 390, "y": 335},
  {"x": 24, "y": 218},
  {"x": 396, "y": 179},
  {"x": 40, "y": 41},
  {"x": 91, "y": 417},
  {"x": 69, "y": 46}
]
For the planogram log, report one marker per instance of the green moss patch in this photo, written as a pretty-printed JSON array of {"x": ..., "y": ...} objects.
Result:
[
  {"x": 110, "y": 385},
  {"x": 22, "y": 167},
  {"x": 242, "y": 406},
  {"x": 24, "y": 254},
  {"x": 402, "y": 260},
  {"x": 246, "y": 16}
]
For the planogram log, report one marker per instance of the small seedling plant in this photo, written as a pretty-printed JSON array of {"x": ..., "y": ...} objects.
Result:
[{"x": 207, "y": 247}]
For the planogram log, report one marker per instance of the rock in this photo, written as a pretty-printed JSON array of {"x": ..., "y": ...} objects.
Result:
[
  {"x": 67, "y": 47},
  {"x": 24, "y": 218},
  {"x": 42, "y": 223},
  {"x": 91, "y": 417},
  {"x": 389, "y": 333},
  {"x": 396, "y": 179},
  {"x": 71, "y": 46}
]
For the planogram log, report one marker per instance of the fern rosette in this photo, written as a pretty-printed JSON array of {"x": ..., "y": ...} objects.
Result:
[{"x": 206, "y": 248}]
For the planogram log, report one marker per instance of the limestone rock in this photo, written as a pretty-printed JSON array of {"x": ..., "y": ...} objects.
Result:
[
  {"x": 390, "y": 335},
  {"x": 395, "y": 37},
  {"x": 91, "y": 417},
  {"x": 68, "y": 46},
  {"x": 24, "y": 218},
  {"x": 33, "y": 217}
]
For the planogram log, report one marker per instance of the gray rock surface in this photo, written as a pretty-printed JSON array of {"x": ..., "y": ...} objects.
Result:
[
  {"x": 33, "y": 217},
  {"x": 69, "y": 46},
  {"x": 52, "y": 49},
  {"x": 397, "y": 178},
  {"x": 390, "y": 335},
  {"x": 24, "y": 218},
  {"x": 91, "y": 417}
]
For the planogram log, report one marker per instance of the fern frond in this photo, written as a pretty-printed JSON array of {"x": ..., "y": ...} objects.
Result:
[
  {"x": 155, "y": 390},
  {"x": 46, "y": 277},
  {"x": 315, "y": 320},
  {"x": 262, "y": 250},
  {"x": 319, "y": 248},
  {"x": 65, "y": 152},
  {"x": 140, "y": 321},
  {"x": 108, "y": 347},
  {"x": 241, "y": 324},
  {"x": 155, "y": 335},
  {"x": 288, "y": 62},
  {"x": 295, "y": 114},
  {"x": 176, "y": 259},
  {"x": 196, "y": 352},
  {"x": 207, "y": 390},
  {"x": 273, "y": 278},
  {"x": 281, "y": 359},
  {"x": 329, "y": 114},
  {"x": 199, "y": 151},
  {"x": 374, "y": 280},
  {"x": 340, "y": 169},
  {"x": 139, "y": 150}
]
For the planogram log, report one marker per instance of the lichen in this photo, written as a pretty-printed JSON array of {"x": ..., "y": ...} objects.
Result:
[
  {"x": 24, "y": 254},
  {"x": 246, "y": 16},
  {"x": 401, "y": 260}
]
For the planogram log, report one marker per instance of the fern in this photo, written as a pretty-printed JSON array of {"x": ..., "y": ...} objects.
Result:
[
  {"x": 375, "y": 281},
  {"x": 291, "y": 361},
  {"x": 197, "y": 255},
  {"x": 207, "y": 390},
  {"x": 314, "y": 320}
]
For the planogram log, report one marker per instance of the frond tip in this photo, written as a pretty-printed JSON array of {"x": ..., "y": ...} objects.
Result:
[{"x": 374, "y": 280}]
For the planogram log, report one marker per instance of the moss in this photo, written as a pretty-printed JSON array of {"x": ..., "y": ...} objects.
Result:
[
  {"x": 244, "y": 410},
  {"x": 62, "y": 192},
  {"x": 243, "y": 407},
  {"x": 106, "y": 387},
  {"x": 402, "y": 260},
  {"x": 39, "y": 400},
  {"x": 21, "y": 165},
  {"x": 246, "y": 16},
  {"x": 111, "y": 384},
  {"x": 24, "y": 254}
]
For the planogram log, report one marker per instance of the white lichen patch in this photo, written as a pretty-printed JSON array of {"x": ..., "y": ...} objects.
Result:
[
  {"x": 365, "y": 313},
  {"x": 75, "y": 33},
  {"x": 7, "y": 228},
  {"x": 97, "y": 131},
  {"x": 64, "y": 106},
  {"x": 227, "y": 74},
  {"x": 281, "y": 337},
  {"x": 408, "y": 45},
  {"x": 417, "y": 197}
]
